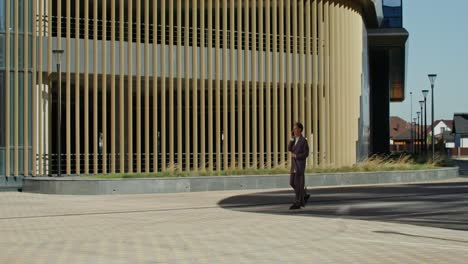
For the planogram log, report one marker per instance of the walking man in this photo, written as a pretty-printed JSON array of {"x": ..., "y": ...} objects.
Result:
[{"x": 299, "y": 149}]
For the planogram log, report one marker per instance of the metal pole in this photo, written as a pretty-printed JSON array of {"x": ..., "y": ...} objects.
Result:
[
  {"x": 417, "y": 136},
  {"x": 59, "y": 120},
  {"x": 421, "y": 132},
  {"x": 432, "y": 119},
  {"x": 411, "y": 120},
  {"x": 425, "y": 126}
]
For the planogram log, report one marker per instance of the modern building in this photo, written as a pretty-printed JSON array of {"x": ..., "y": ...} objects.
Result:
[
  {"x": 145, "y": 86},
  {"x": 460, "y": 133}
]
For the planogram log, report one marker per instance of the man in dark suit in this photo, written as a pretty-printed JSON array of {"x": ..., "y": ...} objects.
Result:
[{"x": 299, "y": 149}]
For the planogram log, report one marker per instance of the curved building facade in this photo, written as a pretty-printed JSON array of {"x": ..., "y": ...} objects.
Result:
[{"x": 149, "y": 86}]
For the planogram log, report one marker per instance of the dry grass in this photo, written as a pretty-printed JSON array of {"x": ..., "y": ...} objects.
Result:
[{"x": 374, "y": 163}]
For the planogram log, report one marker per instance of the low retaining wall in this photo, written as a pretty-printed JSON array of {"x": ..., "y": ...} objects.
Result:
[{"x": 87, "y": 186}]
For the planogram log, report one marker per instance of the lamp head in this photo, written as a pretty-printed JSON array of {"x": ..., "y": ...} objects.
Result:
[
  {"x": 425, "y": 93},
  {"x": 57, "y": 53},
  {"x": 421, "y": 103},
  {"x": 432, "y": 78},
  {"x": 418, "y": 113}
]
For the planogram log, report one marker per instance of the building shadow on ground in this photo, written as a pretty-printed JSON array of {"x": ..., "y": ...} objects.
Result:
[{"x": 443, "y": 205}]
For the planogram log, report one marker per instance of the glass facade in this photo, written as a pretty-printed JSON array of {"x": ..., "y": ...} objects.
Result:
[
  {"x": 17, "y": 73},
  {"x": 393, "y": 14}
]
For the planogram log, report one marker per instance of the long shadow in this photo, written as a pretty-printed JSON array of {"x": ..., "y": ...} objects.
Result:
[{"x": 443, "y": 205}]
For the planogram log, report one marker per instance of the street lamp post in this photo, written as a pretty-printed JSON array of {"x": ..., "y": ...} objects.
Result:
[
  {"x": 57, "y": 58},
  {"x": 413, "y": 133},
  {"x": 411, "y": 118},
  {"x": 432, "y": 78},
  {"x": 425, "y": 92},
  {"x": 421, "y": 104},
  {"x": 418, "y": 131}
]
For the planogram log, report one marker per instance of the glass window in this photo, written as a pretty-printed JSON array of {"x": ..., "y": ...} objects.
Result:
[
  {"x": 2, "y": 50},
  {"x": 2, "y": 15},
  {"x": 2, "y": 110},
  {"x": 20, "y": 15},
  {"x": 20, "y": 51},
  {"x": 20, "y": 108}
]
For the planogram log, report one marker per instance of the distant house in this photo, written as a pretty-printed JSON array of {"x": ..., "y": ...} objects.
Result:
[
  {"x": 460, "y": 132},
  {"x": 440, "y": 126},
  {"x": 400, "y": 134}
]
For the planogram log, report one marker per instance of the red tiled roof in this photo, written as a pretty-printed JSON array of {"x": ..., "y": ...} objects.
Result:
[{"x": 397, "y": 125}]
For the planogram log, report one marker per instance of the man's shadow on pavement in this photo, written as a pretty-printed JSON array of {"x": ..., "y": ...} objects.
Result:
[{"x": 443, "y": 205}]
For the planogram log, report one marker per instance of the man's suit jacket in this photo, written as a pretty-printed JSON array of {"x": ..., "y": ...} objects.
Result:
[{"x": 301, "y": 149}]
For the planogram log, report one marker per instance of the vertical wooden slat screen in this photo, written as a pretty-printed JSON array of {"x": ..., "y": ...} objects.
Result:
[
  {"x": 267, "y": 139},
  {"x": 186, "y": 90},
  {"x": 308, "y": 86},
  {"x": 130, "y": 158},
  {"x": 314, "y": 88},
  {"x": 195, "y": 126},
  {"x": 68, "y": 90},
  {"x": 246, "y": 90},
  {"x": 113, "y": 87},
  {"x": 225, "y": 87},
  {"x": 26, "y": 84},
  {"x": 172, "y": 102},
  {"x": 232, "y": 84},
  {"x": 95, "y": 87},
  {"x": 238, "y": 74},
  {"x": 321, "y": 77},
  {"x": 104, "y": 88},
  {"x": 240, "y": 156},
  {"x": 295, "y": 77},
  {"x": 333, "y": 83},
  {"x": 261, "y": 86},
  {"x": 289, "y": 76},
  {"x": 284, "y": 135},
  {"x": 155, "y": 64},
  {"x": 218, "y": 84},
  {"x": 34, "y": 93},
  {"x": 48, "y": 126},
  {"x": 327, "y": 109},
  {"x": 138, "y": 86},
  {"x": 16, "y": 88},
  {"x": 202, "y": 86},
  {"x": 7, "y": 90},
  {"x": 121, "y": 89},
  {"x": 255, "y": 85},
  {"x": 274, "y": 109},
  {"x": 39, "y": 107},
  {"x": 163, "y": 86},
  {"x": 210, "y": 83},
  {"x": 172, "y": 106},
  {"x": 86, "y": 88},
  {"x": 77, "y": 88},
  {"x": 301, "y": 68},
  {"x": 38, "y": 88},
  {"x": 147, "y": 82}
]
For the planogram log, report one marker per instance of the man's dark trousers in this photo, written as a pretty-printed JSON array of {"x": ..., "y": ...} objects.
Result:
[{"x": 296, "y": 180}]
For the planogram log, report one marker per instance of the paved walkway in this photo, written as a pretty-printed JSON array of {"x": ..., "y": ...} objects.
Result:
[{"x": 217, "y": 227}]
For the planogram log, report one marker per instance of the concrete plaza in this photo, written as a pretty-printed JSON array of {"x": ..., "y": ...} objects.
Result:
[{"x": 421, "y": 223}]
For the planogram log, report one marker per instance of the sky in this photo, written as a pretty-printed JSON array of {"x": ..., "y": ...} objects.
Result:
[{"x": 438, "y": 43}]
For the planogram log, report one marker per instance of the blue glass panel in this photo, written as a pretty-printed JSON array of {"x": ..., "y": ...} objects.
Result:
[
  {"x": 20, "y": 108},
  {"x": 393, "y": 14},
  {"x": 2, "y": 15},
  {"x": 2, "y": 50},
  {"x": 2, "y": 109},
  {"x": 2, "y": 161}
]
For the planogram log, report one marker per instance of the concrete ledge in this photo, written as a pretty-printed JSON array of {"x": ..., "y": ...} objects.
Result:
[
  {"x": 11, "y": 183},
  {"x": 86, "y": 186}
]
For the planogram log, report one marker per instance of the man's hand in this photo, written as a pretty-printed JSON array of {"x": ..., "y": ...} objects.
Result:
[{"x": 293, "y": 155}]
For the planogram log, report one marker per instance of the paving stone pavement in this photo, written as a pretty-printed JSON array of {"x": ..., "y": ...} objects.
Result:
[{"x": 195, "y": 228}]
